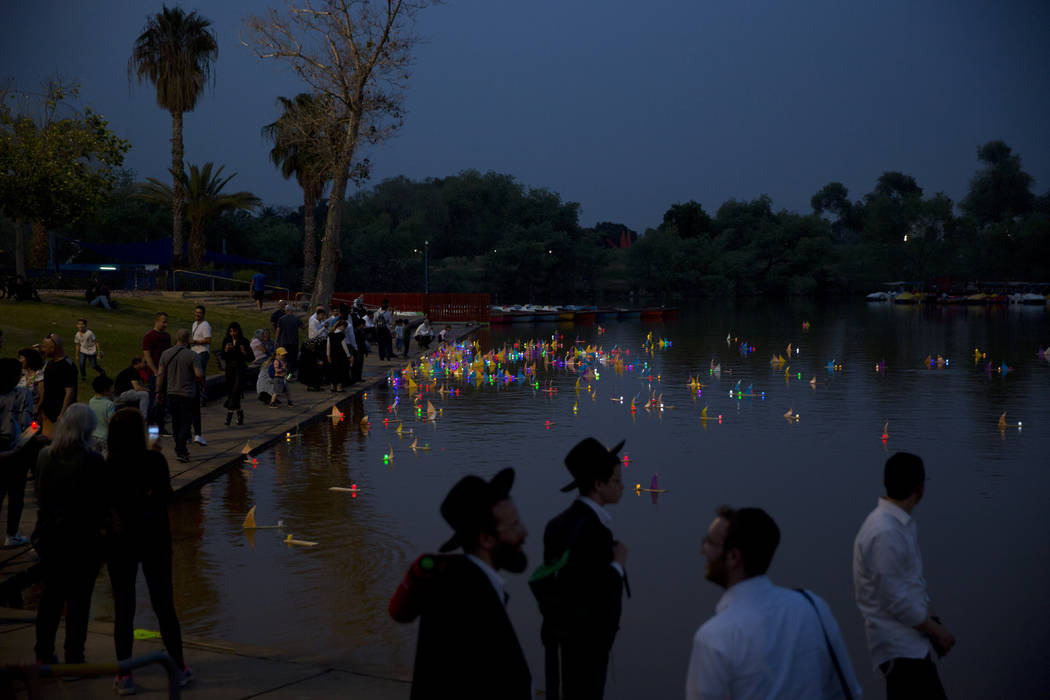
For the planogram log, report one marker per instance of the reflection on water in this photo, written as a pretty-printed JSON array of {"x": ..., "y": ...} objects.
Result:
[{"x": 982, "y": 524}]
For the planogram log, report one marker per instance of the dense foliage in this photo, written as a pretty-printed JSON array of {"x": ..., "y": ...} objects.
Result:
[{"x": 488, "y": 232}]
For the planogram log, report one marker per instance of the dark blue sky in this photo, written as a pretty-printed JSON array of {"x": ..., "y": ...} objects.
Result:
[{"x": 622, "y": 106}]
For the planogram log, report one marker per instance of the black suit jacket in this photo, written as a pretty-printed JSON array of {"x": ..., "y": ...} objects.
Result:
[
  {"x": 467, "y": 647},
  {"x": 592, "y": 587}
]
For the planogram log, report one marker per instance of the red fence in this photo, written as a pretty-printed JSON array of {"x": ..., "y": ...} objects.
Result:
[{"x": 439, "y": 308}]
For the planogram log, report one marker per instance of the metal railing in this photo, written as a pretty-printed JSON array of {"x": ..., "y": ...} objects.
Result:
[
  {"x": 226, "y": 284},
  {"x": 33, "y": 672}
]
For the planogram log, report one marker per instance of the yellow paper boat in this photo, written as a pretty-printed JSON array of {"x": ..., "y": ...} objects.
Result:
[
  {"x": 249, "y": 522},
  {"x": 301, "y": 543},
  {"x": 1002, "y": 421},
  {"x": 431, "y": 411},
  {"x": 247, "y": 449}
]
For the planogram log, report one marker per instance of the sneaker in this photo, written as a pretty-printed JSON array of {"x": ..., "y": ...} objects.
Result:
[
  {"x": 291, "y": 403},
  {"x": 16, "y": 540},
  {"x": 124, "y": 685},
  {"x": 186, "y": 676},
  {"x": 183, "y": 458},
  {"x": 199, "y": 439},
  {"x": 272, "y": 405}
]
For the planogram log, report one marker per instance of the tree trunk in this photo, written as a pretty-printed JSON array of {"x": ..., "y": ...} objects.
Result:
[
  {"x": 310, "y": 198},
  {"x": 39, "y": 245},
  {"x": 196, "y": 245},
  {"x": 178, "y": 199},
  {"x": 20, "y": 247},
  {"x": 331, "y": 250}
]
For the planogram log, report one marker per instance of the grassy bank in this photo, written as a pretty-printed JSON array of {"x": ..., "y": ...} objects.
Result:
[{"x": 119, "y": 331}]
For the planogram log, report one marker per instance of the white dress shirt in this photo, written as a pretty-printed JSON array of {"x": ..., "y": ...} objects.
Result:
[
  {"x": 889, "y": 586},
  {"x": 199, "y": 331},
  {"x": 765, "y": 641},
  {"x": 315, "y": 328}
]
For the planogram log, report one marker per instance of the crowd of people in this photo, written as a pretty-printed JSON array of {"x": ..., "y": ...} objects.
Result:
[{"x": 764, "y": 640}]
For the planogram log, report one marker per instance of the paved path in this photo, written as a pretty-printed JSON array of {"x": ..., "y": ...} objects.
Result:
[{"x": 225, "y": 671}]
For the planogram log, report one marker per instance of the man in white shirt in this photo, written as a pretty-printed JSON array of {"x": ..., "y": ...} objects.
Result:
[
  {"x": 890, "y": 589},
  {"x": 764, "y": 641},
  {"x": 317, "y": 327},
  {"x": 200, "y": 343}
]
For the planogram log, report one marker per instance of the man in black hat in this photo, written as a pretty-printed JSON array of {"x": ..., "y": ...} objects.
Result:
[
  {"x": 578, "y": 631},
  {"x": 467, "y": 648}
]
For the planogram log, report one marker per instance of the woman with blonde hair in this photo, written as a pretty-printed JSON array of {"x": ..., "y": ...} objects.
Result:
[{"x": 68, "y": 534}]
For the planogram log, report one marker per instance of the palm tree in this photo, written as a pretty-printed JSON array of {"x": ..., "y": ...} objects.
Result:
[
  {"x": 175, "y": 53},
  {"x": 204, "y": 200},
  {"x": 298, "y": 138}
]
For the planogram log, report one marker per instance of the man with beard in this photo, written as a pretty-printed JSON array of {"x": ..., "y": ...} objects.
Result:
[
  {"x": 580, "y": 621},
  {"x": 764, "y": 641},
  {"x": 467, "y": 647}
]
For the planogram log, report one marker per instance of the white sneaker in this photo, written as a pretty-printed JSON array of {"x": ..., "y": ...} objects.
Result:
[
  {"x": 199, "y": 439},
  {"x": 16, "y": 540}
]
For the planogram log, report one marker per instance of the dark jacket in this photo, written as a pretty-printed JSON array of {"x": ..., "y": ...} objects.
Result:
[
  {"x": 139, "y": 489},
  {"x": 72, "y": 511},
  {"x": 591, "y": 586},
  {"x": 467, "y": 648}
]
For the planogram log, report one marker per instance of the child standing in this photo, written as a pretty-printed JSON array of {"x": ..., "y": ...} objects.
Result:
[
  {"x": 88, "y": 348},
  {"x": 280, "y": 378},
  {"x": 104, "y": 408},
  {"x": 399, "y": 338}
]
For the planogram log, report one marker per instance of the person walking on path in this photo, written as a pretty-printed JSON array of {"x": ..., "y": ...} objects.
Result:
[
  {"x": 68, "y": 534},
  {"x": 279, "y": 385},
  {"x": 383, "y": 319},
  {"x": 177, "y": 382},
  {"x": 59, "y": 385},
  {"x": 129, "y": 389},
  {"x": 764, "y": 641},
  {"x": 88, "y": 349},
  {"x": 200, "y": 343},
  {"x": 338, "y": 356},
  {"x": 17, "y": 454},
  {"x": 139, "y": 487},
  {"x": 258, "y": 289},
  {"x": 236, "y": 355},
  {"x": 467, "y": 647},
  {"x": 288, "y": 327},
  {"x": 579, "y": 629},
  {"x": 154, "y": 343},
  {"x": 901, "y": 627},
  {"x": 282, "y": 305}
]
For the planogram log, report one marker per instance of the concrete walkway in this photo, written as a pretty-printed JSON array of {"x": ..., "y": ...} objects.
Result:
[{"x": 224, "y": 670}]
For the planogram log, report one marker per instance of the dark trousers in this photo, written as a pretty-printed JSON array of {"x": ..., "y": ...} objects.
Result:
[
  {"x": 181, "y": 420},
  {"x": 386, "y": 350},
  {"x": 583, "y": 667},
  {"x": 912, "y": 679},
  {"x": 156, "y": 567},
  {"x": 156, "y": 407},
  {"x": 13, "y": 472},
  {"x": 293, "y": 357},
  {"x": 93, "y": 359},
  {"x": 69, "y": 578},
  {"x": 203, "y": 358},
  {"x": 359, "y": 362}
]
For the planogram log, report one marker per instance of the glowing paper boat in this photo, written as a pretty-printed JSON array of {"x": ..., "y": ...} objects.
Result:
[
  {"x": 249, "y": 522},
  {"x": 654, "y": 487}
]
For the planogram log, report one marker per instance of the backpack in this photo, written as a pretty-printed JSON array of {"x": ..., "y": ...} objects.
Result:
[{"x": 380, "y": 319}]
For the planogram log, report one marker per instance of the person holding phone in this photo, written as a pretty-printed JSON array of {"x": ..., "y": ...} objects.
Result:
[{"x": 236, "y": 355}]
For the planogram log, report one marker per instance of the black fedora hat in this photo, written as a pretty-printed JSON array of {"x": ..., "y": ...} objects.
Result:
[
  {"x": 588, "y": 460},
  {"x": 468, "y": 506}
]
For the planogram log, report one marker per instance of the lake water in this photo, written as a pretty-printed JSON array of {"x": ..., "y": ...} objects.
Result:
[{"x": 983, "y": 525}]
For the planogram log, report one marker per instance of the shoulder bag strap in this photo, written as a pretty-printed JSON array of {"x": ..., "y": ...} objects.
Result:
[{"x": 831, "y": 651}]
